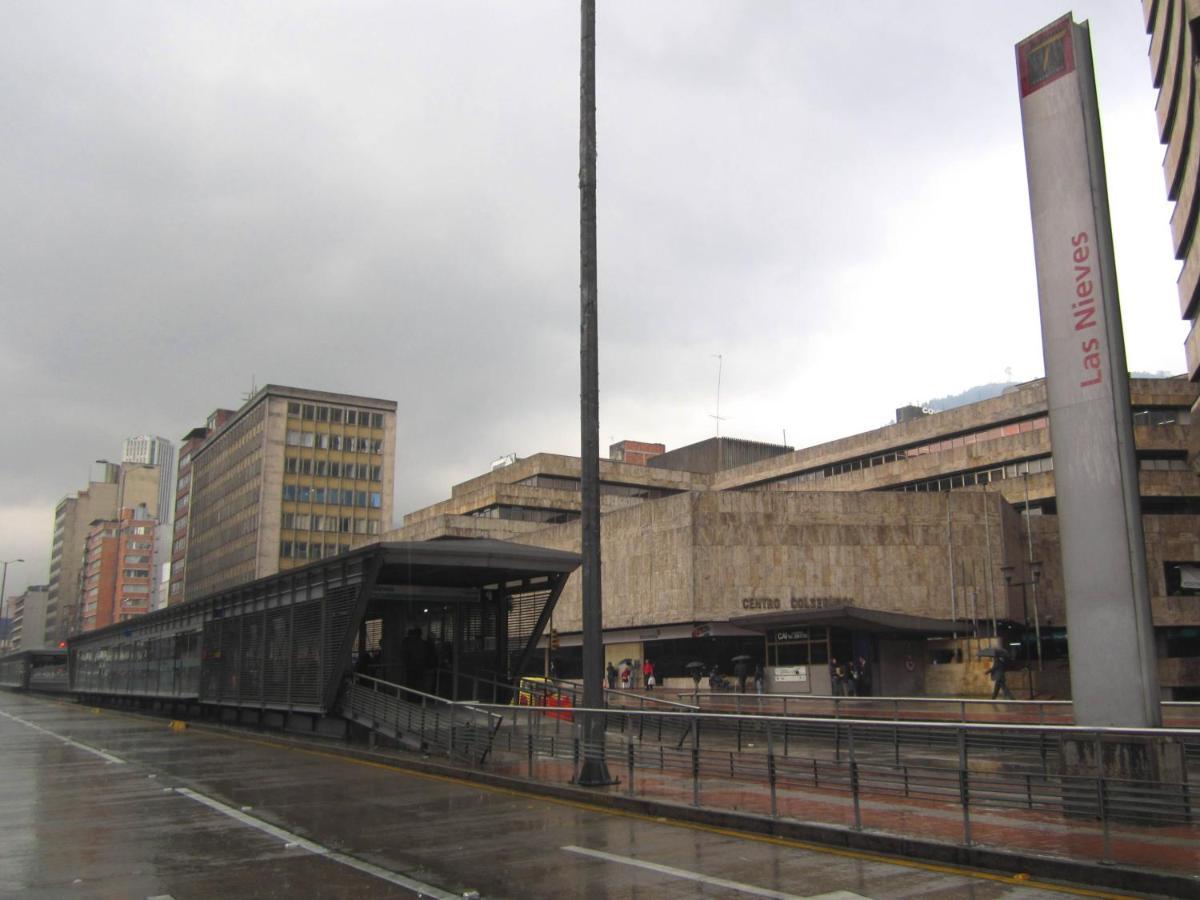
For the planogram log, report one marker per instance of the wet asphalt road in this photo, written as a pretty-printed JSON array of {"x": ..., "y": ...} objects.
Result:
[{"x": 102, "y": 804}]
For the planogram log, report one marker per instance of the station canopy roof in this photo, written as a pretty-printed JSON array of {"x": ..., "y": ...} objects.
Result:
[
  {"x": 852, "y": 618},
  {"x": 467, "y": 563}
]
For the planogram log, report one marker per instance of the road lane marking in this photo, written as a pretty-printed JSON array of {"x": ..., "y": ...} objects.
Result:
[
  {"x": 107, "y": 757},
  {"x": 291, "y": 839},
  {"x": 754, "y": 890},
  {"x": 399, "y": 766}
]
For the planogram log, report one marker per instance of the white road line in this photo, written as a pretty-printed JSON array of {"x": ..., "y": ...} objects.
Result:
[
  {"x": 289, "y": 838},
  {"x": 107, "y": 757},
  {"x": 707, "y": 879}
]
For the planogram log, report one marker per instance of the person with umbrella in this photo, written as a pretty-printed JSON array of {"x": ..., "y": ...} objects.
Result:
[{"x": 741, "y": 671}]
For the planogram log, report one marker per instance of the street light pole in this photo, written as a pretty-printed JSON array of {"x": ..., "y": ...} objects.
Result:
[{"x": 1035, "y": 574}]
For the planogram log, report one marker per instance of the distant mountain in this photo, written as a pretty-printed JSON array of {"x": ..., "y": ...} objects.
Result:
[{"x": 970, "y": 395}]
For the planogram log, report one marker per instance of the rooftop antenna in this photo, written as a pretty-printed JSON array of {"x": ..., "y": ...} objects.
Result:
[
  {"x": 718, "y": 416},
  {"x": 253, "y": 389}
]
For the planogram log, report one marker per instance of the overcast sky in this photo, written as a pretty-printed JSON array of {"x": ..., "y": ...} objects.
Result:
[{"x": 381, "y": 198}]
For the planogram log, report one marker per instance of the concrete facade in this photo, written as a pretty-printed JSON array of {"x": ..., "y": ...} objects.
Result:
[
  {"x": 917, "y": 520},
  {"x": 1174, "y": 28},
  {"x": 27, "y": 612}
]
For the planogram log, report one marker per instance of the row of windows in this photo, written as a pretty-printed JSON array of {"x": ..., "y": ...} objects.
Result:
[
  {"x": 916, "y": 450},
  {"x": 1168, "y": 416},
  {"x": 135, "y": 573},
  {"x": 607, "y": 488},
  {"x": 294, "y": 465},
  {"x": 307, "y": 550},
  {"x": 526, "y": 514},
  {"x": 311, "y": 412},
  {"x": 322, "y": 441},
  {"x": 332, "y": 496},
  {"x": 1164, "y": 465},
  {"x": 343, "y": 524},
  {"x": 981, "y": 476}
]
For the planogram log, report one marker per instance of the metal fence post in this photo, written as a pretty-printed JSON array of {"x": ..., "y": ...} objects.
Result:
[
  {"x": 629, "y": 756},
  {"x": 1100, "y": 796},
  {"x": 963, "y": 786},
  {"x": 696, "y": 761},
  {"x": 771, "y": 769},
  {"x": 529, "y": 741},
  {"x": 854, "y": 778}
]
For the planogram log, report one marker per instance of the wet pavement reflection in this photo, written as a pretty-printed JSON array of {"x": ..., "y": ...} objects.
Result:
[{"x": 194, "y": 813}]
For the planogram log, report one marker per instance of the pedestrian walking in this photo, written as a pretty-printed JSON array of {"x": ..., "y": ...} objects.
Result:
[
  {"x": 837, "y": 677},
  {"x": 610, "y": 673},
  {"x": 760, "y": 679},
  {"x": 999, "y": 673},
  {"x": 648, "y": 675},
  {"x": 740, "y": 673}
]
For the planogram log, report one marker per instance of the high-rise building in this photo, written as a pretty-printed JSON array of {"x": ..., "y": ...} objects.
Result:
[
  {"x": 127, "y": 485},
  {"x": 117, "y": 577},
  {"x": 152, "y": 450},
  {"x": 27, "y": 614},
  {"x": 192, "y": 441},
  {"x": 72, "y": 518},
  {"x": 294, "y": 475},
  {"x": 1174, "y": 27}
]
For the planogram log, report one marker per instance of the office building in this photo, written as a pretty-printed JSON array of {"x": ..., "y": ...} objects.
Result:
[
  {"x": 117, "y": 571},
  {"x": 148, "y": 449},
  {"x": 893, "y": 545},
  {"x": 292, "y": 476},
  {"x": 192, "y": 441}
]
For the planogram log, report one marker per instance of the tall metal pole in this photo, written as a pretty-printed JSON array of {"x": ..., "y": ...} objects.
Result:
[
  {"x": 593, "y": 770},
  {"x": 1037, "y": 624}
]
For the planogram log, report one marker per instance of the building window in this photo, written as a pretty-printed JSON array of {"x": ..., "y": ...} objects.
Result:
[
  {"x": 309, "y": 412},
  {"x": 293, "y": 409},
  {"x": 372, "y": 526},
  {"x": 322, "y": 467},
  {"x": 291, "y": 465},
  {"x": 376, "y": 420},
  {"x": 289, "y": 492},
  {"x": 322, "y": 413},
  {"x": 285, "y": 549},
  {"x": 335, "y": 442},
  {"x": 289, "y": 520},
  {"x": 335, "y": 415},
  {"x": 322, "y": 441},
  {"x": 376, "y": 500},
  {"x": 1182, "y": 578},
  {"x": 306, "y": 466},
  {"x": 376, "y": 473}
]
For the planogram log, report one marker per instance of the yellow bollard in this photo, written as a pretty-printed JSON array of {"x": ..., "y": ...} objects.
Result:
[{"x": 176, "y": 725}]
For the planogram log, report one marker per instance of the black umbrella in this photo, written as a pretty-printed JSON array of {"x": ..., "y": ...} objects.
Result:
[
  {"x": 694, "y": 664},
  {"x": 743, "y": 657}
]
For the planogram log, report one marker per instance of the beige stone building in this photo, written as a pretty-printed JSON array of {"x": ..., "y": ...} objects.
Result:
[
  {"x": 125, "y": 485},
  {"x": 1174, "y": 27},
  {"x": 891, "y": 545},
  {"x": 292, "y": 476}
]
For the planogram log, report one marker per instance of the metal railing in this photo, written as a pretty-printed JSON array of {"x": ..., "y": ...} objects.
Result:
[
  {"x": 1005, "y": 784},
  {"x": 1175, "y": 713},
  {"x": 420, "y": 721}
]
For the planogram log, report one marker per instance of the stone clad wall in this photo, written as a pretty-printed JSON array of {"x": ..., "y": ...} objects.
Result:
[
  {"x": 882, "y": 551},
  {"x": 701, "y": 556}
]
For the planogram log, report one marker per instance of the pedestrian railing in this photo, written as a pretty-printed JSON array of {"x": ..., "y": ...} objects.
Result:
[
  {"x": 1007, "y": 785},
  {"x": 420, "y": 721},
  {"x": 1181, "y": 714}
]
